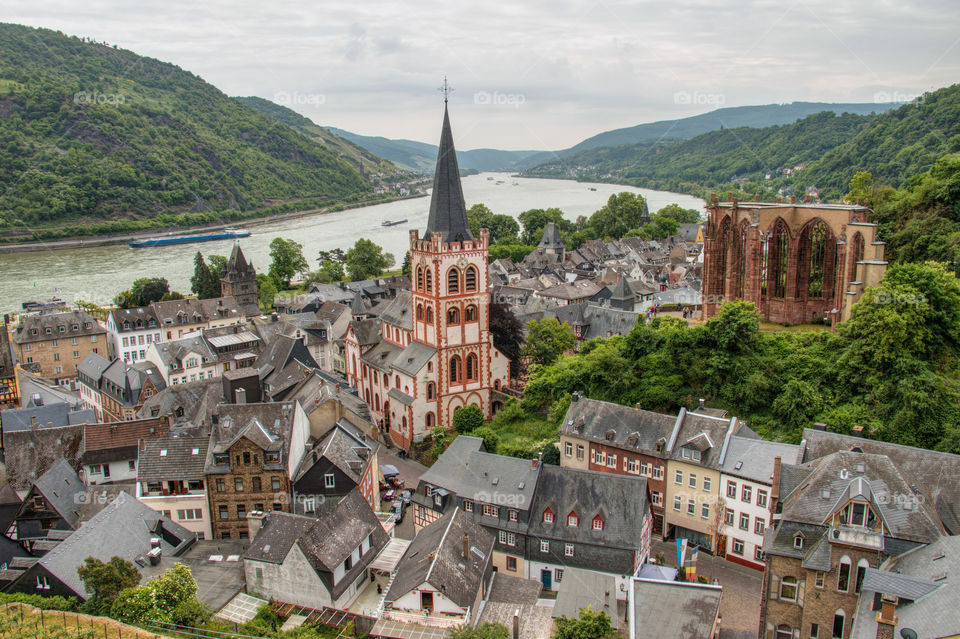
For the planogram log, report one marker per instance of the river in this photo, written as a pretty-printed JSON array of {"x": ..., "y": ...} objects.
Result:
[{"x": 97, "y": 274}]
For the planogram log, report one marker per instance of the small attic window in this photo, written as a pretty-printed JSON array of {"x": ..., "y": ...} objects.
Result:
[
  {"x": 798, "y": 541},
  {"x": 609, "y": 435},
  {"x": 825, "y": 493},
  {"x": 163, "y": 452},
  {"x": 196, "y": 451},
  {"x": 738, "y": 466}
]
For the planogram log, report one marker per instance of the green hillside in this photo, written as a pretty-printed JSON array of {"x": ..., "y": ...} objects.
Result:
[
  {"x": 345, "y": 149},
  {"x": 94, "y": 134},
  {"x": 830, "y": 149}
]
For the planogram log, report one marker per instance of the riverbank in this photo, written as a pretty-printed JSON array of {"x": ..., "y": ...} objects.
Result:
[{"x": 123, "y": 238}]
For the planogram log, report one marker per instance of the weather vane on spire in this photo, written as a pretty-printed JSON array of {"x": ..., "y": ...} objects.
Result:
[{"x": 446, "y": 89}]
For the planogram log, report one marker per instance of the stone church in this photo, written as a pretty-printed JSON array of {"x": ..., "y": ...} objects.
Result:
[
  {"x": 795, "y": 261},
  {"x": 430, "y": 352}
]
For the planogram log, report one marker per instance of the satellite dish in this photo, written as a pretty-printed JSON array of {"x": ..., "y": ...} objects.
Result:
[{"x": 908, "y": 633}]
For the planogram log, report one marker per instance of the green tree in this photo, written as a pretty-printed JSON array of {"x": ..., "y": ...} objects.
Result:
[
  {"x": 205, "y": 282},
  {"x": 145, "y": 290},
  {"x": 547, "y": 339},
  {"x": 486, "y": 630},
  {"x": 170, "y": 598},
  {"x": 678, "y": 214},
  {"x": 535, "y": 221},
  {"x": 218, "y": 264},
  {"x": 467, "y": 419},
  {"x": 622, "y": 212},
  {"x": 366, "y": 259},
  {"x": 405, "y": 268},
  {"x": 591, "y": 624},
  {"x": 515, "y": 252},
  {"x": 490, "y": 437},
  {"x": 503, "y": 228},
  {"x": 104, "y": 581},
  {"x": 507, "y": 333},
  {"x": 287, "y": 260},
  {"x": 267, "y": 291}
]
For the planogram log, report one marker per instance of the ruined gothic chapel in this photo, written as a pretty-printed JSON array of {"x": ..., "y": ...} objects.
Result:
[{"x": 795, "y": 261}]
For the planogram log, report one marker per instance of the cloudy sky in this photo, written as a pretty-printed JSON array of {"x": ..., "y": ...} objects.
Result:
[{"x": 529, "y": 74}]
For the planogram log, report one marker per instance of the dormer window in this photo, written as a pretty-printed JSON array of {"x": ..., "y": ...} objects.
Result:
[
  {"x": 126, "y": 326},
  {"x": 548, "y": 516},
  {"x": 572, "y": 519},
  {"x": 597, "y": 523},
  {"x": 798, "y": 541},
  {"x": 609, "y": 435},
  {"x": 221, "y": 459}
]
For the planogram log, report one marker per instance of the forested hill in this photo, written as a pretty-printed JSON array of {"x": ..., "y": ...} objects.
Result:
[
  {"x": 92, "y": 133},
  {"x": 828, "y": 149},
  {"x": 285, "y": 115}
]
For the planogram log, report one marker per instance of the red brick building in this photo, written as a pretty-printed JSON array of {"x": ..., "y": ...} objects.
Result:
[{"x": 795, "y": 262}]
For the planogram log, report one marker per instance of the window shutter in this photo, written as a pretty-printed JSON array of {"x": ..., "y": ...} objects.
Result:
[
  {"x": 774, "y": 587},
  {"x": 801, "y": 588}
]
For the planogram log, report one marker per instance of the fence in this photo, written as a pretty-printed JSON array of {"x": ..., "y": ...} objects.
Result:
[{"x": 29, "y": 620}]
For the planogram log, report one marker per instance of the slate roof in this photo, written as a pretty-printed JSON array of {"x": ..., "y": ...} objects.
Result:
[
  {"x": 694, "y": 428},
  {"x": 590, "y": 493},
  {"x": 448, "y": 213},
  {"x": 598, "y": 321},
  {"x": 346, "y": 448},
  {"x": 621, "y": 291},
  {"x": 398, "y": 311},
  {"x": 180, "y": 458},
  {"x": 268, "y": 425},
  {"x": 936, "y": 474},
  {"x": 123, "y": 529},
  {"x": 325, "y": 542},
  {"x": 85, "y": 325},
  {"x": 752, "y": 459},
  {"x": 131, "y": 315},
  {"x": 92, "y": 367},
  {"x": 382, "y": 355},
  {"x": 880, "y": 482},
  {"x": 197, "y": 311},
  {"x": 61, "y": 487},
  {"x": 550, "y": 238},
  {"x": 592, "y": 419},
  {"x": 930, "y": 577},
  {"x": 413, "y": 358},
  {"x": 579, "y": 290},
  {"x": 676, "y": 610},
  {"x": 468, "y": 471},
  {"x": 366, "y": 331},
  {"x": 435, "y": 556},
  {"x": 198, "y": 400},
  {"x": 172, "y": 353},
  {"x": 60, "y": 414}
]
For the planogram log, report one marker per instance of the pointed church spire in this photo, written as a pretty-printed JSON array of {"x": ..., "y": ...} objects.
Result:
[{"x": 448, "y": 213}]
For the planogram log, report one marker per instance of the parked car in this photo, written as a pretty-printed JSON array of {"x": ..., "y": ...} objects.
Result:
[
  {"x": 388, "y": 495},
  {"x": 398, "y": 508},
  {"x": 405, "y": 496}
]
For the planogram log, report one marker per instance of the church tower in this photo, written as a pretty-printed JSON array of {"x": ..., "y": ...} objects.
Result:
[
  {"x": 239, "y": 279},
  {"x": 450, "y": 296}
]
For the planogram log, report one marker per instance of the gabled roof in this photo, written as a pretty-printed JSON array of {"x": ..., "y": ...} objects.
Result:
[
  {"x": 325, "y": 542},
  {"x": 346, "y": 448},
  {"x": 33, "y": 328},
  {"x": 60, "y": 486},
  {"x": 195, "y": 400},
  {"x": 366, "y": 331},
  {"x": 448, "y": 213},
  {"x": 123, "y": 529},
  {"x": 676, "y": 610},
  {"x": 753, "y": 458},
  {"x": 179, "y": 458},
  {"x": 589, "y": 493},
  {"x": 435, "y": 557},
  {"x": 413, "y": 358},
  {"x": 592, "y": 419},
  {"x": 268, "y": 425},
  {"x": 117, "y": 441},
  {"x": 398, "y": 312}
]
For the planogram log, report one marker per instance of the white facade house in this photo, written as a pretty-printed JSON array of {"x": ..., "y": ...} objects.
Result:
[
  {"x": 131, "y": 331},
  {"x": 170, "y": 480},
  {"x": 746, "y": 477}
]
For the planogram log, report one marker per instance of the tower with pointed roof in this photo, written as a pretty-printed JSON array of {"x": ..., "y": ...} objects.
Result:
[
  {"x": 432, "y": 352},
  {"x": 622, "y": 295},
  {"x": 450, "y": 295},
  {"x": 239, "y": 279},
  {"x": 550, "y": 243}
]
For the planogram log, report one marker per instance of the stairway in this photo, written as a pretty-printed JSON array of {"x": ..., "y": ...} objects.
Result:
[{"x": 383, "y": 599}]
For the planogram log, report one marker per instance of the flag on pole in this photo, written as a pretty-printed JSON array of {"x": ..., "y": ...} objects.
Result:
[
  {"x": 691, "y": 568},
  {"x": 681, "y": 552}
]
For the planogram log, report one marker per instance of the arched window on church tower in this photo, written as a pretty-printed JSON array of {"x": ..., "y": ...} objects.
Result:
[
  {"x": 429, "y": 315},
  {"x": 428, "y": 278},
  {"x": 470, "y": 314},
  {"x": 456, "y": 369},
  {"x": 453, "y": 280},
  {"x": 431, "y": 390},
  {"x": 419, "y": 278},
  {"x": 420, "y": 312},
  {"x": 453, "y": 316},
  {"x": 473, "y": 366},
  {"x": 471, "y": 279},
  {"x": 431, "y": 421}
]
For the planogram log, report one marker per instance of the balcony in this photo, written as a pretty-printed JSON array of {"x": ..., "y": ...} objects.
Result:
[{"x": 855, "y": 536}]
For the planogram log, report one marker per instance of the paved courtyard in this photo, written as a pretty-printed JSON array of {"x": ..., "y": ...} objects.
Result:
[{"x": 740, "y": 605}]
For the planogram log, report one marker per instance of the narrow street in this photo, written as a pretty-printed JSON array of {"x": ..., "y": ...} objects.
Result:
[
  {"x": 740, "y": 604},
  {"x": 410, "y": 472}
]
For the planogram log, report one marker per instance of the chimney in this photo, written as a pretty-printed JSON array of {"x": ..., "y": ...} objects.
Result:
[
  {"x": 255, "y": 522},
  {"x": 33, "y": 422},
  {"x": 639, "y": 406},
  {"x": 702, "y": 404},
  {"x": 887, "y": 617},
  {"x": 241, "y": 395},
  {"x": 516, "y": 624},
  {"x": 154, "y": 555},
  {"x": 819, "y": 426},
  {"x": 466, "y": 546},
  {"x": 606, "y": 598},
  {"x": 37, "y": 399},
  {"x": 49, "y": 424},
  {"x": 858, "y": 431}
]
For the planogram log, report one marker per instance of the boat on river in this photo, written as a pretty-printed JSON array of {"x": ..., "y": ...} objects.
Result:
[
  {"x": 392, "y": 223},
  {"x": 226, "y": 234}
]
